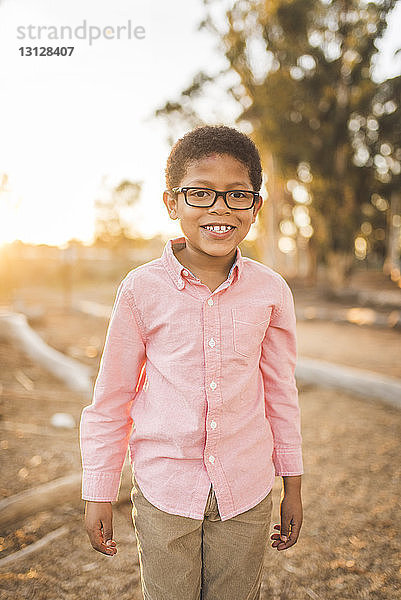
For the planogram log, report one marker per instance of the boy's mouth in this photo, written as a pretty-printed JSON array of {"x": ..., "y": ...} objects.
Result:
[
  {"x": 218, "y": 227},
  {"x": 218, "y": 231}
]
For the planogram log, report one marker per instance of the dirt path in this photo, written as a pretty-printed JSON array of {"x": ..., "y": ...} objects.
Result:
[
  {"x": 349, "y": 545},
  {"x": 348, "y": 549}
]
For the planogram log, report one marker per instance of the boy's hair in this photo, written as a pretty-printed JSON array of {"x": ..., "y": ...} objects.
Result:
[{"x": 213, "y": 139}]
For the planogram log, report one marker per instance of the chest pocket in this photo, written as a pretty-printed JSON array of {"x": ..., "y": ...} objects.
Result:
[{"x": 249, "y": 328}]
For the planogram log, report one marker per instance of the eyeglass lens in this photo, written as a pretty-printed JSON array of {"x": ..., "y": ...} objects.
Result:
[{"x": 204, "y": 198}]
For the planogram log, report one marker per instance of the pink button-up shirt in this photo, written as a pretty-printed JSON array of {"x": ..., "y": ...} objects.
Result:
[{"x": 199, "y": 386}]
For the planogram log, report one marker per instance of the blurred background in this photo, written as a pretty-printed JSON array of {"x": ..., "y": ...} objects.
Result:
[{"x": 84, "y": 143}]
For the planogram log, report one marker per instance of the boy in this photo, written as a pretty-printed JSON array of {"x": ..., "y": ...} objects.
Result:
[{"x": 216, "y": 416}]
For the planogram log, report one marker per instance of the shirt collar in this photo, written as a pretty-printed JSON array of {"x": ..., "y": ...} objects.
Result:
[{"x": 179, "y": 273}]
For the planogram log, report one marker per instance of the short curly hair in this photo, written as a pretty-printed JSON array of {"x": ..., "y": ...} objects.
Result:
[{"x": 213, "y": 139}]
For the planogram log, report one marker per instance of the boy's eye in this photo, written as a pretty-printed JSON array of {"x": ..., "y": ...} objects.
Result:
[
  {"x": 199, "y": 193},
  {"x": 237, "y": 195}
]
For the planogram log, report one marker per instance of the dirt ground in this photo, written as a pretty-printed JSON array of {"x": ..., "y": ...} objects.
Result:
[{"x": 349, "y": 546}]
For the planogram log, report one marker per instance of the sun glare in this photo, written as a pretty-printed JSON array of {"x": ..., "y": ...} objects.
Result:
[{"x": 9, "y": 210}]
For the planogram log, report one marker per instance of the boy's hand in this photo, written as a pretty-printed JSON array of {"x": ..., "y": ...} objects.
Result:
[
  {"x": 99, "y": 526},
  {"x": 291, "y": 520}
]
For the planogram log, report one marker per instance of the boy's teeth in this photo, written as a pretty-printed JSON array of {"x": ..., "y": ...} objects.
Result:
[{"x": 221, "y": 228}]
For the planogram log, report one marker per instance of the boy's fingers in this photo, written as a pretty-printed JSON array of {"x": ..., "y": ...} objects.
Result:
[
  {"x": 276, "y": 536},
  {"x": 108, "y": 541},
  {"x": 107, "y": 534},
  {"x": 99, "y": 527},
  {"x": 98, "y": 540},
  {"x": 284, "y": 539},
  {"x": 292, "y": 539},
  {"x": 284, "y": 530},
  {"x": 284, "y": 545},
  {"x": 294, "y": 533}
]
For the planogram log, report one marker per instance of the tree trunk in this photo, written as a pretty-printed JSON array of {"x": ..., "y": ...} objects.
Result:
[
  {"x": 392, "y": 264},
  {"x": 338, "y": 269}
]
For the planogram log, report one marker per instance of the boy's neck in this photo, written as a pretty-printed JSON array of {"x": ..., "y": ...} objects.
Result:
[{"x": 202, "y": 265}]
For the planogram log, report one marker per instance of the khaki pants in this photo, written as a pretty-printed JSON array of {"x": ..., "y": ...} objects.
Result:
[{"x": 188, "y": 559}]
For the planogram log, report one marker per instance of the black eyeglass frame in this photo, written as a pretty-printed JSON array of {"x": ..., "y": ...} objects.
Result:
[{"x": 184, "y": 190}]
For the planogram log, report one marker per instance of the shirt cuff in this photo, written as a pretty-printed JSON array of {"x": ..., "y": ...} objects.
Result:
[
  {"x": 100, "y": 487},
  {"x": 288, "y": 461}
]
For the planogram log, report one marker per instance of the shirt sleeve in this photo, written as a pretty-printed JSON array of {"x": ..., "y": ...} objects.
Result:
[
  {"x": 106, "y": 424},
  {"x": 277, "y": 363}
]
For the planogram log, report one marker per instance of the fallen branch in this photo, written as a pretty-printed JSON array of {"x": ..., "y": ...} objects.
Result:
[
  {"x": 33, "y": 429},
  {"x": 14, "y": 327},
  {"x": 35, "y": 546},
  {"x": 48, "y": 495},
  {"x": 94, "y": 309},
  {"x": 355, "y": 381}
]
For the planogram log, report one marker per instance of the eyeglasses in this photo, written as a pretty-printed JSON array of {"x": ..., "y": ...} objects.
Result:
[{"x": 206, "y": 197}]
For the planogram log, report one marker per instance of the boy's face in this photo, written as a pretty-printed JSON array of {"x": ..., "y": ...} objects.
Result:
[{"x": 220, "y": 172}]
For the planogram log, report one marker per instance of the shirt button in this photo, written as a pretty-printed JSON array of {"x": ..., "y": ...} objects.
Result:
[
  {"x": 210, "y": 302},
  {"x": 212, "y": 343},
  {"x": 213, "y": 424},
  {"x": 211, "y": 459},
  {"x": 185, "y": 272},
  {"x": 213, "y": 385}
]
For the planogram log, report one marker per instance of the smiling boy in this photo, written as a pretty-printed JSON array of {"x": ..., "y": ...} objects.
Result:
[
  {"x": 209, "y": 252},
  {"x": 217, "y": 417}
]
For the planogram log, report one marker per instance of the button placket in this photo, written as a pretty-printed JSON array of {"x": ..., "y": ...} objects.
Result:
[{"x": 212, "y": 360}]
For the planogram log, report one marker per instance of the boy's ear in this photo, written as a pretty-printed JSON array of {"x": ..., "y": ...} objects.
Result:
[
  {"x": 170, "y": 200},
  {"x": 257, "y": 207}
]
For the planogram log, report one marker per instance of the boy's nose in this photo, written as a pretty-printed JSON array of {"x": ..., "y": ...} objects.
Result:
[{"x": 220, "y": 205}]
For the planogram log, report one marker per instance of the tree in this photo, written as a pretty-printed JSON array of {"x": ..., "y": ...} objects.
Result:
[
  {"x": 377, "y": 145},
  {"x": 303, "y": 70},
  {"x": 114, "y": 213}
]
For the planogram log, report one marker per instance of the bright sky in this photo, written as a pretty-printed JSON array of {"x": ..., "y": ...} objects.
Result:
[{"x": 69, "y": 121}]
